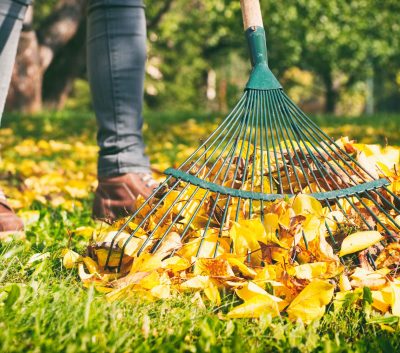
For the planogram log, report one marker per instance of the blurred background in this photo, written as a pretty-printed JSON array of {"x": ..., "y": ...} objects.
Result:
[{"x": 339, "y": 57}]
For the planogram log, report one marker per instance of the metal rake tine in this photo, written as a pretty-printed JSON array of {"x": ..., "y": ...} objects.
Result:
[
  {"x": 317, "y": 130},
  {"x": 176, "y": 200},
  {"x": 255, "y": 114},
  {"x": 266, "y": 114},
  {"x": 299, "y": 141},
  {"x": 270, "y": 117},
  {"x": 277, "y": 118},
  {"x": 275, "y": 94},
  {"x": 197, "y": 188},
  {"x": 115, "y": 237},
  {"x": 220, "y": 127}
]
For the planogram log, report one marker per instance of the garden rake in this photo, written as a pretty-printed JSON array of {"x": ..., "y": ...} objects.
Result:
[{"x": 265, "y": 150}]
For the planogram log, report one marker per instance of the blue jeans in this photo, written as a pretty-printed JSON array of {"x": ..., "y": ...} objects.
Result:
[
  {"x": 116, "y": 55},
  {"x": 11, "y": 17}
]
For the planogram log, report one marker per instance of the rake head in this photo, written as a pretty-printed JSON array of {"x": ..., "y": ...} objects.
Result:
[{"x": 265, "y": 152}]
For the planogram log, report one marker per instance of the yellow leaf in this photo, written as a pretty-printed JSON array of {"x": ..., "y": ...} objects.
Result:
[
  {"x": 102, "y": 256},
  {"x": 207, "y": 246},
  {"x": 205, "y": 283},
  {"x": 304, "y": 205},
  {"x": 312, "y": 227},
  {"x": 77, "y": 189},
  {"x": 131, "y": 245},
  {"x": 359, "y": 241},
  {"x": 271, "y": 222},
  {"x": 212, "y": 293},
  {"x": 271, "y": 225},
  {"x": 255, "y": 307},
  {"x": 146, "y": 262},
  {"x": 362, "y": 277},
  {"x": 84, "y": 231},
  {"x": 170, "y": 243},
  {"x": 246, "y": 234},
  {"x": 176, "y": 264},
  {"x": 332, "y": 218},
  {"x": 150, "y": 281},
  {"x": 387, "y": 328},
  {"x": 344, "y": 283},
  {"x": 91, "y": 265},
  {"x": 249, "y": 290},
  {"x": 238, "y": 262},
  {"x": 85, "y": 277},
  {"x": 311, "y": 302},
  {"x": 395, "y": 298},
  {"x": 106, "y": 236},
  {"x": 197, "y": 282},
  {"x": 311, "y": 270},
  {"x": 70, "y": 258},
  {"x": 381, "y": 301},
  {"x": 162, "y": 291}
]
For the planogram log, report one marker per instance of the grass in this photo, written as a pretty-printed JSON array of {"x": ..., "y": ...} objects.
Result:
[{"x": 44, "y": 308}]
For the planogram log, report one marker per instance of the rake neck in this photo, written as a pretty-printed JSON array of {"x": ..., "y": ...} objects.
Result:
[{"x": 261, "y": 77}]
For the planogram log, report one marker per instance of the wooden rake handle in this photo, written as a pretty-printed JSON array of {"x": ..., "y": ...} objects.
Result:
[{"x": 251, "y": 12}]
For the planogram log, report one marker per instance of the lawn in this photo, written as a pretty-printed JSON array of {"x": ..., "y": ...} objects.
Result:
[{"x": 48, "y": 170}]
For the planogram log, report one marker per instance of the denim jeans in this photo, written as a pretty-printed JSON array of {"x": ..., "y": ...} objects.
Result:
[
  {"x": 116, "y": 48},
  {"x": 116, "y": 55},
  {"x": 11, "y": 16}
]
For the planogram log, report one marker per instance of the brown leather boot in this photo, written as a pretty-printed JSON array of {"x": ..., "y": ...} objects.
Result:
[
  {"x": 116, "y": 196},
  {"x": 10, "y": 223}
]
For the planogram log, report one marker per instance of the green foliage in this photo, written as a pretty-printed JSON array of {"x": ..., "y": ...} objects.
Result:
[
  {"x": 339, "y": 41},
  {"x": 193, "y": 37}
]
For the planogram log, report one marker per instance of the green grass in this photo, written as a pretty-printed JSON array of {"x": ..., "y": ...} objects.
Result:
[
  {"x": 44, "y": 308},
  {"x": 378, "y": 128}
]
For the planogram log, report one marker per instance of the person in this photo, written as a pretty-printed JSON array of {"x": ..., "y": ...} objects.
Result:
[{"x": 116, "y": 55}]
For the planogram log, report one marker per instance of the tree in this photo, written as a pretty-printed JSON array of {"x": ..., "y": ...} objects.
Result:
[
  {"x": 341, "y": 42},
  {"x": 51, "y": 54},
  {"x": 338, "y": 40},
  {"x": 38, "y": 48}
]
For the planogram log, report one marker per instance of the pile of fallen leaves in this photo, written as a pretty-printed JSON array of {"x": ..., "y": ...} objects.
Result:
[{"x": 278, "y": 259}]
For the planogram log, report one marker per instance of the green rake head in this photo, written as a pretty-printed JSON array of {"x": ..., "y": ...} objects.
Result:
[{"x": 266, "y": 149}]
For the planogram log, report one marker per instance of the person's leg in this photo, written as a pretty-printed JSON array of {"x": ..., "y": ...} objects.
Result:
[
  {"x": 11, "y": 16},
  {"x": 116, "y": 47}
]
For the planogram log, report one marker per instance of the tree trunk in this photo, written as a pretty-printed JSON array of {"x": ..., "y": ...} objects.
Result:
[
  {"x": 67, "y": 65},
  {"x": 49, "y": 59},
  {"x": 223, "y": 95},
  {"x": 25, "y": 92},
  {"x": 37, "y": 51},
  {"x": 331, "y": 93}
]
